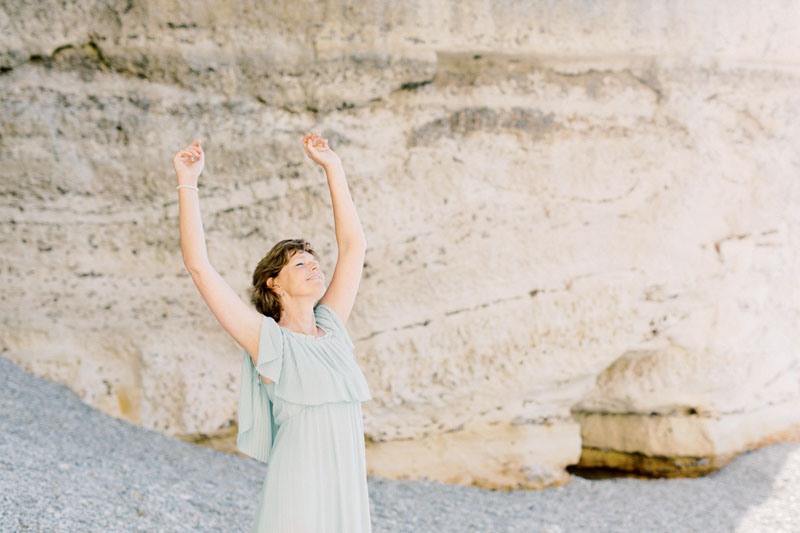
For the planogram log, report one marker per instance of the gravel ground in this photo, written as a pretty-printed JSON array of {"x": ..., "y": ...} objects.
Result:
[{"x": 68, "y": 467}]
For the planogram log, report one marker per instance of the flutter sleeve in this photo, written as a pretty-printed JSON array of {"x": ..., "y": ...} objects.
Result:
[
  {"x": 256, "y": 423},
  {"x": 331, "y": 320}
]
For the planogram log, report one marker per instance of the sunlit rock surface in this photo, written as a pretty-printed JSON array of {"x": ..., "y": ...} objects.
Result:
[{"x": 582, "y": 222}]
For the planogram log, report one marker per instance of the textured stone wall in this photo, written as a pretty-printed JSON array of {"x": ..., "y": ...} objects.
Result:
[{"x": 582, "y": 222}]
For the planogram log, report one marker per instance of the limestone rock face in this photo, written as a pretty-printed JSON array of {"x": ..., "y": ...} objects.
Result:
[{"x": 582, "y": 218}]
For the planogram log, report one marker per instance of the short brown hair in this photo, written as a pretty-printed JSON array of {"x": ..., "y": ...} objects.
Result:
[{"x": 262, "y": 297}]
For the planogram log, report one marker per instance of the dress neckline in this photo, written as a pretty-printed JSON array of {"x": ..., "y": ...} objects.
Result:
[{"x": 306, "y": 335}]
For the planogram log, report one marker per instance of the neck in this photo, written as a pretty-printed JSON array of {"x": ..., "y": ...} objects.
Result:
[{"x": 299, "y": 317}]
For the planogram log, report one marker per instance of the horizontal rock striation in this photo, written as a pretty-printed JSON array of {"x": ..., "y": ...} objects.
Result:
[{"x": 578, "y": 215}]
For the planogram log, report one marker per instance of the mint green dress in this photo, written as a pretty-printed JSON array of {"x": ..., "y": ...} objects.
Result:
[{"x": 306, "y": 425}]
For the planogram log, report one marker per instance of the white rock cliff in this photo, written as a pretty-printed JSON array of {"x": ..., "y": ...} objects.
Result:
[{"x": 582, "y": 217}]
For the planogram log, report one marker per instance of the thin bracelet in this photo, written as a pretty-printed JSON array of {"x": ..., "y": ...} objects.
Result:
[{"x": 188, "y": 187}]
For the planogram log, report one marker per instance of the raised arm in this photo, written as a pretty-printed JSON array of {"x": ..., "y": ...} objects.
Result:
[
  {"x": 350, "y": 238},
  {"x": 241, "y": 321}
]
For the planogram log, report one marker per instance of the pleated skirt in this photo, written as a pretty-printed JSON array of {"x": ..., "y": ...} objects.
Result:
[{"x": 316, "y": 480}]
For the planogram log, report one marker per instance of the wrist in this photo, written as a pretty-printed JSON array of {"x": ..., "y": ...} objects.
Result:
[
  {"x": 187, "y": 181},
  {"x": 333, "y": 166}
]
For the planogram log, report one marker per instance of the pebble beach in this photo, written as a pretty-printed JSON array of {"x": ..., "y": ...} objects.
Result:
[{"x": 66, "y": 467}]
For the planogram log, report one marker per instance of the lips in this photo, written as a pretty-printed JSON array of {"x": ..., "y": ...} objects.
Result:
[{"x": 315, "y": 276}]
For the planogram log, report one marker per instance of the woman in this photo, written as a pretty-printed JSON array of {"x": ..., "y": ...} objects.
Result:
[{"x": 301, "y": 388}]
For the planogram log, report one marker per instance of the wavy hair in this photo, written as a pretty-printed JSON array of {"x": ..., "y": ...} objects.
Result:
[{"x": 265, "y": 300}]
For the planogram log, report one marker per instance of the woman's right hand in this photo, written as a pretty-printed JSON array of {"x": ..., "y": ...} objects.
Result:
[{"x": 188, "y": 164}]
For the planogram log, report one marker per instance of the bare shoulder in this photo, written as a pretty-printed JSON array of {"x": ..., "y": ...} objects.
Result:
[{"x": 238, "y": 318}]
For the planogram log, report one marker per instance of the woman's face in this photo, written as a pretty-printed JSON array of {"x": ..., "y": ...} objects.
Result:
[{"x": 302, "y": 275}]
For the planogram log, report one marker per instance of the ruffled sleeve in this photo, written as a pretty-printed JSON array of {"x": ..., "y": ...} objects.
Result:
[
  {"x": 331, "y": 320},
  {"x": 270, "y": 349},
  {"x": 256, "y": 422}
]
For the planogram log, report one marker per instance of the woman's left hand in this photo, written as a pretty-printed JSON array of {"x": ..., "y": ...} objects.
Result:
[{"x": 319, "y": 152}]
